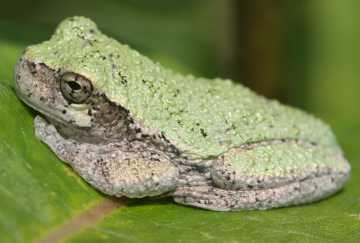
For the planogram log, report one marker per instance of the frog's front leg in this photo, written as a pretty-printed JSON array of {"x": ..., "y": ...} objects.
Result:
[
  {"x": 117, "y": 169},
  {"x": 267, "y": 175}
]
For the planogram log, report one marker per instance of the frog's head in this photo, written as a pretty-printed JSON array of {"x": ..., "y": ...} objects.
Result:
[{"x": 69, "y": 79}]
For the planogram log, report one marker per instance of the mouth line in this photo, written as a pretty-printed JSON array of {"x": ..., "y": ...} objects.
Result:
[
  {"x": 45, "y": 113},
  {"x": 48, "y": 113}
]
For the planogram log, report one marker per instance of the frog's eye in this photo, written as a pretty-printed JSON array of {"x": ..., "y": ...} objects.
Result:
[{"x": 75, "y": 88}]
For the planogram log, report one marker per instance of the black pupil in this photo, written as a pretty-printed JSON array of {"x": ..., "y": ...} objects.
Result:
[{"x": 74, "y": 85}]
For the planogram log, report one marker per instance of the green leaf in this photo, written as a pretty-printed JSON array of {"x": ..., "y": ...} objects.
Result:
[
  {"x": 42, "y": 199},
  {"x": 37, "y": 191}
]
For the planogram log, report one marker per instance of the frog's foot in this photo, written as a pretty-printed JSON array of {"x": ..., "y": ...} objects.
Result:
[
  {"x": 267, "y": 175},
  {"x": 299, "y": 192},
  {"x": 117, "y": 169}
]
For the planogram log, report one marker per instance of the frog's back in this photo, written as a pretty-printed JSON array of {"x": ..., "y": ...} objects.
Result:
[{"x": 202, "y": 117}]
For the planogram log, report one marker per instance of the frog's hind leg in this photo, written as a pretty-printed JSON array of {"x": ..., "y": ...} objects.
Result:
[
  {"x": 267, "y": 175},
  {"x": 213, "y": 198}
]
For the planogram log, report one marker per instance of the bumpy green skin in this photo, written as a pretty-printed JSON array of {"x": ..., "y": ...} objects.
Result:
[{"x": 202, "y": 117}]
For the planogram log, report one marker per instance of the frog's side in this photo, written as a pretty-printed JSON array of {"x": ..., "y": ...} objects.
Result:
[{"x": 132, "y": 128}]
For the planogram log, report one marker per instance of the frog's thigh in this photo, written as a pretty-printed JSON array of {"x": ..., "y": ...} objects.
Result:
[
  {"x": 217, "y": 199},
  {"x": 275, "y": 164},
  {"x": 266, "y": 177}
]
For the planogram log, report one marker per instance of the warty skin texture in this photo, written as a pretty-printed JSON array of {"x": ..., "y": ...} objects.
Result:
[{"x": 141, "y": 130}]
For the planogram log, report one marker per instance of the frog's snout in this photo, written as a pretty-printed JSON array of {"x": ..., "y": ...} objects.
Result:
[
  {"x": 23, "y": 84},
  {"x": 34, "y": 83}
]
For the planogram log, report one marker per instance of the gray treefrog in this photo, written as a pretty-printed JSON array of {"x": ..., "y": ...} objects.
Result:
[{"x": 131, "y": 127}]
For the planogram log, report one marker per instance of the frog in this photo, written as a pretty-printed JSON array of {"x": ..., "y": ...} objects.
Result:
[{"x": 131, "y": 127}]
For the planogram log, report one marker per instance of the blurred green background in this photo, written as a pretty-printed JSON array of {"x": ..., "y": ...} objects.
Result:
[{"x": 304, "y": 53}]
